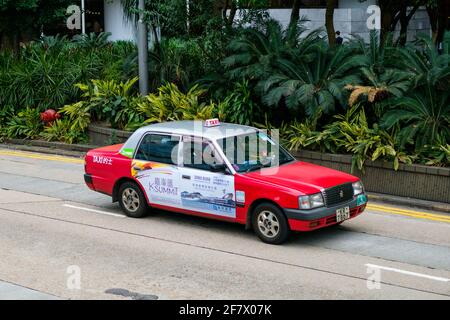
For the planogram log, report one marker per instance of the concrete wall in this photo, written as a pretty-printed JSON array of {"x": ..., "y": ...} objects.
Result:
[
  {"x": 413, "y": 181},
  {"x": 116, "y": 24},
  {"x": 351, "y": 19},
  {"x": 356, "y": 3},
  {"x": 420, "y": 23}
]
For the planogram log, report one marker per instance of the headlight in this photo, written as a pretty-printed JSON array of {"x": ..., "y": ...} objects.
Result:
[
  {"x": 310, "y": 202},
  {"x": 358, "y": 188}
]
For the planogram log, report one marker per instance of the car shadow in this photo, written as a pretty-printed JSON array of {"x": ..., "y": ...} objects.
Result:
[{"x": 315, "y": 237}]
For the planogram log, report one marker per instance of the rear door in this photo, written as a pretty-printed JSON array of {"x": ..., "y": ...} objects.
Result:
[{"x": 155, "y": 166}]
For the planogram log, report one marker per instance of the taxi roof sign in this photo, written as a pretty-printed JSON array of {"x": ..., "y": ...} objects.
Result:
[{"x": 212, "y": 122}]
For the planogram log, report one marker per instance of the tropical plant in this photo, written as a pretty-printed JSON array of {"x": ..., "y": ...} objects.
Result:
[
  {"x": 241, "y": 108},
  {"x": 427, "y": 65},
  {"x": 170, "y": 104},
  {"x": 255, "y": 53},
  {"x": 42, "y": 75},
  {"x": 314, "y": 86},
  {"x": 381, "y": 75},
  {"x": 351, "y": 134},
  {"x": 79, "y": 115},
  {"x": 92, "y": 40},
  {"x": 57, "y": 43},
  {"x": 436, "y": 155},
  {"x": 299, "y": 135},
  {"x": 26, "y": 124},
  {"x": 119, "y": 61},
  {"x": 37, "y": 79},
  {"x": 110, "y": 101},
  {"x": 177, "y": 61},
  {"x": 423, "y": 116},
  {"x": 62, "y": 130}
]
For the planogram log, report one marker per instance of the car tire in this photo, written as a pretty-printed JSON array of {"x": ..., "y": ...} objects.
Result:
[
  {"x": 132, "y": 200},
  {"x": 270, "y": 224}
]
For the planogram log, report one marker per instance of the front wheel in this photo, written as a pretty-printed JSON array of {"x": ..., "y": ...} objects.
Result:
[
  {"x": 132, "y": 200},
  {"x": 270, "y": 224}
]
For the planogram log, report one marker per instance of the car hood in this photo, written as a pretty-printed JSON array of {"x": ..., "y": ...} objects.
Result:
[{"x": 305, "y": 177}]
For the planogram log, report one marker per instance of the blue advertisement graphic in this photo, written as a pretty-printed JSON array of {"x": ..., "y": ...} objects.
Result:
[{"x": 211, "y": 195}]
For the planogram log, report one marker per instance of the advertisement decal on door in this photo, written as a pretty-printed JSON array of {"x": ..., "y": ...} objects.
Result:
[
  {"x": 209, "y": 193},
  {"x": 204, "y": 191}
]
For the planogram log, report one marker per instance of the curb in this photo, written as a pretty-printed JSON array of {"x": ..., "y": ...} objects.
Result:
[
  {"x": 45, "y": 149},
  {"x": 53, "y": 145},
  {"x": 410, "y": 202}
]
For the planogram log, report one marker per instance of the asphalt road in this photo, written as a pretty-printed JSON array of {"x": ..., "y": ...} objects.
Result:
[{"x": 54, "y": 231}]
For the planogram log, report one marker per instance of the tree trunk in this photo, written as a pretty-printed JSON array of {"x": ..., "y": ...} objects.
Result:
[
  {"x": 403, "y": 27},
  {"x": 329, "y": 22},
  {"x": 295, "y": 14},
  {"x": 386, "y": 22},
  {"x": 224, "y": 10},
  {"x": 389, "y": 16},
  {"x": 442, "y": 25},
  {"x": 433, "y": 16},
  {"x": 233, "y": 10},
  {"x": 404, "y": 22},
  {"x": 2, "y": 40}
]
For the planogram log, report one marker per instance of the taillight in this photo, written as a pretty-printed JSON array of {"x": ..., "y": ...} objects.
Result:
[{"x": 85, "y": 164}]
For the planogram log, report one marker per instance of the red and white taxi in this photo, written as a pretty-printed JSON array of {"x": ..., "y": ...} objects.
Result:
[{"x": 223, "y": 171}]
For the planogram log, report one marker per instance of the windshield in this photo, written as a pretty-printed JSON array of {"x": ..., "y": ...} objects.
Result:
[{"x": 249, "y": 152}]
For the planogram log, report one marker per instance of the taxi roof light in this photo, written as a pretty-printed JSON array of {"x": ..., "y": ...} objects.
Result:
[{"x": 212, "y": 123}]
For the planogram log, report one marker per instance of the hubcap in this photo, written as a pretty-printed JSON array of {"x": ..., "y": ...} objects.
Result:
[
  {"x": 268, "y": 224},
  {"x": 130, "y": 199}
]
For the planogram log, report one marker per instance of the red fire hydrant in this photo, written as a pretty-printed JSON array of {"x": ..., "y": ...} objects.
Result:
[{"x": 50, "y": 115}]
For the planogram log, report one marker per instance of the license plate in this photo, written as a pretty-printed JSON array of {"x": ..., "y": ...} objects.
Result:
[{"x": 342, "y": 214}]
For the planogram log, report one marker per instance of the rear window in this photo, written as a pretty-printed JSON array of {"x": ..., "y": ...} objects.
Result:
[{"x": 159, "y": 148}]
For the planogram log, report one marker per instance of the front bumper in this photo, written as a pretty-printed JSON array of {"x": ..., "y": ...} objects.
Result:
[{"x": 307, "y": 220}]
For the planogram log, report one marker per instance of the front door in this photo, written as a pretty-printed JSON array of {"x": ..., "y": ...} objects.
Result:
[{"x": 202, "y": 189}]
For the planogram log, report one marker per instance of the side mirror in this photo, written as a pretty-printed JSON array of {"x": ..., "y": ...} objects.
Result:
[{"x": 218, "y": 167}]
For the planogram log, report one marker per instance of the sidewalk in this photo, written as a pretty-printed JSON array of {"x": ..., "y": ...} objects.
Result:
[{"x": 9, "y": 291}]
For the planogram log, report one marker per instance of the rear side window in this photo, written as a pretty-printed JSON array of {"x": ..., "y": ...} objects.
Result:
[{"x": 159, "y": 148}]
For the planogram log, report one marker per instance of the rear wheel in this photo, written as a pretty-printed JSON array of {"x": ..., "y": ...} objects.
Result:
[
  {"x": 132, "y": 200},
  {"x": 270, "y": 224}
]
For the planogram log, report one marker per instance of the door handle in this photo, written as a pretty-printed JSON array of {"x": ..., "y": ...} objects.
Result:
[{"x": 186, "y": 177}]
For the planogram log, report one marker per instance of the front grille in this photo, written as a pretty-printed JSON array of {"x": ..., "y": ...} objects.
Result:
[{"x": 338, "y": 194}]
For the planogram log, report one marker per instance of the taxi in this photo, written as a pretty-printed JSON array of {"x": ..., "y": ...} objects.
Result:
[{"x": 223, "y": 171}]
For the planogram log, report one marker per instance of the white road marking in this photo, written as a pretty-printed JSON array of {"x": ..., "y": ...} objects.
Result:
[
  {"x": 96, "y": 211},
  {"x": 408, "y": 272}
]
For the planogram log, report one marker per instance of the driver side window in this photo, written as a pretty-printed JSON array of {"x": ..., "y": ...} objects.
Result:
[{"x": 199, "y": 154}]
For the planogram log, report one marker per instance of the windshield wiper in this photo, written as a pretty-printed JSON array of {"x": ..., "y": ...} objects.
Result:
[
  {"x": 257, "y": 167},
  {"x": 285, "y": 161}
]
